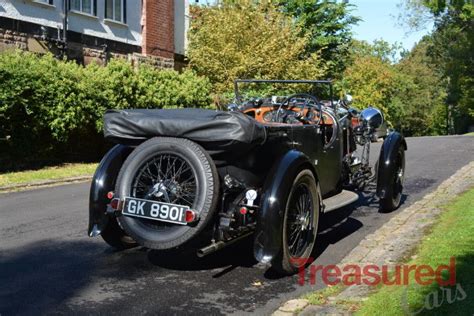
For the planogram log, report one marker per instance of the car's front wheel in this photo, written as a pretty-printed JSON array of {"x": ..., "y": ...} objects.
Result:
[
  {"x": 394, "y": 191},
  {"x": 300, "y": 224}
]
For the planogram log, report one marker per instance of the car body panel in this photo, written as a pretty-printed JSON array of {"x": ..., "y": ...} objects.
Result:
[
  {"x": 268, "y": 236},
  {"x": 102, "y": 183}
]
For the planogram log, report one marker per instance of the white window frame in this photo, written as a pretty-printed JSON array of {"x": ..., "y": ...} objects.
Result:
[
  {"x": 122, "y": 13},
  {"x": 47, "y": 2},
  {"x": 93, "y": 8}
]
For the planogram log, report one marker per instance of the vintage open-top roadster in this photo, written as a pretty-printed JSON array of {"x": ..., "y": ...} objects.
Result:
[{"x": 269, "y": 167}]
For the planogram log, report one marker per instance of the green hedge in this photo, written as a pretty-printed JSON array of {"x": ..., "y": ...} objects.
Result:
[{"x": 52, "y": 109}]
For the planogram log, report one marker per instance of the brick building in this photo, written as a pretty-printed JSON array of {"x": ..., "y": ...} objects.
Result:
[{"x": 85, "y": 30}]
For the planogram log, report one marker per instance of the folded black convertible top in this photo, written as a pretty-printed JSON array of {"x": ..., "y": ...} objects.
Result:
[{"x": 206, "y": 127}]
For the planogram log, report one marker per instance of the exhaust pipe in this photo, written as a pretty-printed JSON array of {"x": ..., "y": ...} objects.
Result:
[
  {"x": 210, "y": 249},
  {"x": 215, "y": 246}
]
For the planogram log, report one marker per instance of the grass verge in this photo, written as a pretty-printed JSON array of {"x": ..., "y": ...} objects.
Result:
[
  {"x": 48, "y": 173},
  {"x": 451, "y": 236},
  {"x": 321, "y": 297}
]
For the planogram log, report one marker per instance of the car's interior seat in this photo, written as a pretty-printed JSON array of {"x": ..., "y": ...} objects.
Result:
[{"x": 327, "y": 119}]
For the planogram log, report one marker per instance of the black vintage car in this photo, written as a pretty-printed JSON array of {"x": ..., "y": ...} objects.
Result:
[{"x": 267, "y": 168}]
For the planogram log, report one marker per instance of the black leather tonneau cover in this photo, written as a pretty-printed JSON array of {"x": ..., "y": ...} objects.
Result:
[{"x": 206, "y": 127}]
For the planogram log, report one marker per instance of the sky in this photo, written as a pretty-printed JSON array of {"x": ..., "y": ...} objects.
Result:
[{"x": 379, "y": 21}]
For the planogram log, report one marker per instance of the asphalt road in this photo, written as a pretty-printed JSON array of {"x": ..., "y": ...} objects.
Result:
[{"x": 49, "y": 266}]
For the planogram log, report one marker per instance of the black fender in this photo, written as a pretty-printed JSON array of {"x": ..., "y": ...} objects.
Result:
[
  {"x": 268, "y": 236},
  {"x": 386, "y": 161},
  {"x": 102, "y": 183}
]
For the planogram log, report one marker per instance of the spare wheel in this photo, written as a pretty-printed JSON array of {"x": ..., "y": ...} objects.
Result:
[{"x": 185, "y": 174}]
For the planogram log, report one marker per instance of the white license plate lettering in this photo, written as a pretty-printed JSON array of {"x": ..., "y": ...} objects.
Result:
[
  {"x": 155, "y": 210},
  {"x": 164, "y": 211},
  {"x": 140, "y": 206},
  {"x": 132, "y": 207},
  {"x": 174, "y": 213}
]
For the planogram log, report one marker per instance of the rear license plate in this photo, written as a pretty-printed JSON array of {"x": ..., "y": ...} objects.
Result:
[{"x": 158, "y": 211}]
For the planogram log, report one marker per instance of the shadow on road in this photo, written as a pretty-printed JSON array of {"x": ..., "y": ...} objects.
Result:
[
  {"x": 368, "y": 200},
  {"x": 237, "y": 255},
  {"x": 330, "y": 232},
  {"x": 35, "y": 278}
]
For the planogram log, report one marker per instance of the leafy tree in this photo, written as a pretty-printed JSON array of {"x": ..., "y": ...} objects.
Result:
[
  {"x": 328, "y": 26},
  {"x": 389, "y": 53},
  {"x": 452, "y": 51},
  {"x": 248, "y": 40},
  {"x": 407, "y": 91},
  {"x": 369, "y": 80},
  {"x": 424, "y": 92},
  {"x": 463, "y": 8},
  {"x": 371, "y": 77}
]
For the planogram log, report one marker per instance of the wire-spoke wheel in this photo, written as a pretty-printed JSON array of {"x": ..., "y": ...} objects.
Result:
[
  {"x": 166, "y": 177},
  {"x": 300, "y": 224},
  {"x": 298, "y": 221},
  {"x": 170, "y": 170}
]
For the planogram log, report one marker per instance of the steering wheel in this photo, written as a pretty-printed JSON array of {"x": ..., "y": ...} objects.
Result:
[{"x": 310, "y": 101}]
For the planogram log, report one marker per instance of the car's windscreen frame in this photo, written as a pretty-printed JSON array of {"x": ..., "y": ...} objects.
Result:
[{"x": 238, "y": 97}]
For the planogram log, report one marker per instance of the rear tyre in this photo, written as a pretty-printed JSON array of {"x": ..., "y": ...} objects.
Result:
[
  {"x": 300, "y": 225},
  {"x": 393, "y": 195},
  {"x": 116, "y": 237},
  {"x": 171, "y": 170}
]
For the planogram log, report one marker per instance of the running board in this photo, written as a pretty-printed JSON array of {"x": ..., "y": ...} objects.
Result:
[{"x": 339, "y": 200}]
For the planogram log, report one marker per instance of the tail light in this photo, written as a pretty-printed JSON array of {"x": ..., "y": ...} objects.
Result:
[
  {"x": 116, "y": 204},
  {"x": 191, "y": 216},
  {"x": 243, "y": 210}
]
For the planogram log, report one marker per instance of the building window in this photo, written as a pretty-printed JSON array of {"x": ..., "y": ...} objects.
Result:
[
  {"x": 116, "y": 10},
  {"x": 84, "y": 6},
  {"x": 50, "y": 2}
]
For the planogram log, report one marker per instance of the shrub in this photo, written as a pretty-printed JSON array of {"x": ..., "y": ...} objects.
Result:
[{"x": 52, "y": 109}]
